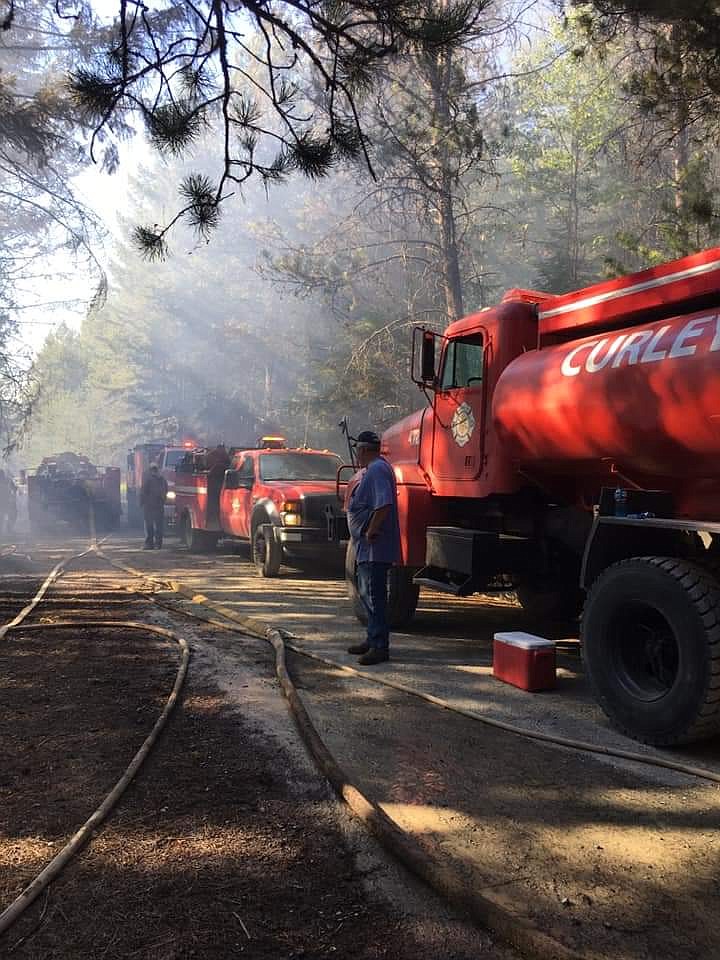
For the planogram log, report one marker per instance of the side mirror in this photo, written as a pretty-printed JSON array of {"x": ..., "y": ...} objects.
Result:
[
  {"x": 427, "y": 357},
  {"x": 232, "y": 480},
  {"x": 426, "y": 349}
]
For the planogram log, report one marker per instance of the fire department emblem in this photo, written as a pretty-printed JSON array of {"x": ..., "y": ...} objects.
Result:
[{"x": 462, "y": 424}]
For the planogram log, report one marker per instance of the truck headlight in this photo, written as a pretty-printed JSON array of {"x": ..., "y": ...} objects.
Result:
[
  {"x": 171, "y": 495},
  {"x": 291, "y": 513}
]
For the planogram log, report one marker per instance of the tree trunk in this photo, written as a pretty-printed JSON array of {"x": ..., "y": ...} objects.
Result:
[
  {"x": 680, "y": 156},
  {"x": 439, "y": 74},
  {"x": 449, "y": 252}
]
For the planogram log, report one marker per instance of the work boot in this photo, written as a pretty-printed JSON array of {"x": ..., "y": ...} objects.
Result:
[
  {"x": 147, "y": 546},
  {"x": 158, "y": 546},
  {"x": 373, "y": 656},
  {"x": 359, "y": 648}
]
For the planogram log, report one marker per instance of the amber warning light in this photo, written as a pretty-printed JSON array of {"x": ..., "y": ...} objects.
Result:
[{"x": 272, "y": 443}]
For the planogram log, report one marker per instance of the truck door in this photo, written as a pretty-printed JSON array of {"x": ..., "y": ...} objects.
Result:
[
  {"x": 459, "y": 410},
  {"x": 236, "y": 504}
]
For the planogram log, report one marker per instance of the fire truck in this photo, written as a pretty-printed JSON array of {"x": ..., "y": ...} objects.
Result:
[
  {"x": 570, "y": 450},
  {"x": 270, "y": 496},
  {"x": 68, "y": 492},
  {"x": 166, "y": 456}
]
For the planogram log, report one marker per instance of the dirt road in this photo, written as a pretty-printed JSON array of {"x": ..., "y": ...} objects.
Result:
[
  {"x": 228, "y": 844},
  {"x": 612, "y": 858}
]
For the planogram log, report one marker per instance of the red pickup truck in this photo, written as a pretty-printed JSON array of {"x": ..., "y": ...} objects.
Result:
[{"x": 275, "y": 499}]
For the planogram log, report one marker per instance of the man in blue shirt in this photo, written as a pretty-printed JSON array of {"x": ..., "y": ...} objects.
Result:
[{"x": 375, "y": 531}]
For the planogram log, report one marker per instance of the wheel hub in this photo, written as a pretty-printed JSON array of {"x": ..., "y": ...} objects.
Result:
[{"x": 645, "y": 651}]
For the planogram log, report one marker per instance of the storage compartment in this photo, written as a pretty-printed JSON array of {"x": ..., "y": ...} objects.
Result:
[{"x": 524, "y": 660}]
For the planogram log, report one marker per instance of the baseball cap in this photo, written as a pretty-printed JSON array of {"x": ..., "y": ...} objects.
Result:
[{"x": 367, "y": 438}]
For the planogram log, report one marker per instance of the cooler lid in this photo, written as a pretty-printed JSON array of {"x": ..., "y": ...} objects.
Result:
[{"x": 527, "y": 641}]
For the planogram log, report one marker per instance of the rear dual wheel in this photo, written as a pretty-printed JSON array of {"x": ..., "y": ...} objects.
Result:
[
  {"x": 651, "y": 647},
  {"x": 197, "y": 541}
]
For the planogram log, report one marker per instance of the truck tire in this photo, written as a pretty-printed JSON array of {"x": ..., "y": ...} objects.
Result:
[
  {"x": 651, "y": 646},
  {"x": 403, "y": 594},
  {"x": 197, "y": 541},
  {"x": 266, "y": 551}
]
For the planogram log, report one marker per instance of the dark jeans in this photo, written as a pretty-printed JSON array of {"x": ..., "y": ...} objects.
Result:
[
  {"x": 154, "y": 524},
  {"x": 372, "y": 587}
]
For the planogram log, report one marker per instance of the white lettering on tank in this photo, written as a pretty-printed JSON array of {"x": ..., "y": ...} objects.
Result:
[
  {"x": 651, "y": 353},
  {"x": 641, "y": 346},
  {"x": 688, "y": 332},
  {"x": 567, "y": 369},
  {"x": 715, "y": 345},
  {"x": 632, "y": 346},
  {"x": 592, "y": 364}
]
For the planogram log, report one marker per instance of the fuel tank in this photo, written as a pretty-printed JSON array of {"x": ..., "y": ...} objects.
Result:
[{"x": 644, "y": 399}]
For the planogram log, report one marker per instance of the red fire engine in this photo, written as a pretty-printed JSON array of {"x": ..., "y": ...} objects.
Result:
[
  {"x": 571, "y": 450},
  {"x": 166, "y": 456},
  {"x": 273, "y": 497},
  {"x": 68, "y": 491}
]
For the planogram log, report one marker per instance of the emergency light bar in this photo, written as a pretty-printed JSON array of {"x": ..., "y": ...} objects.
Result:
[{"x": 272, "y": 443}]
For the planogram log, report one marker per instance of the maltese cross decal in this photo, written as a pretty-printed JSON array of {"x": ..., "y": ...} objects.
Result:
[{"x": 462, "y": 424}]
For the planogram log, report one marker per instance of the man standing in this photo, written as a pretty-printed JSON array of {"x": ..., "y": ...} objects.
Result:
[
  {"x": 152, "y": 499},
  {"x": 375, "y": 531}
]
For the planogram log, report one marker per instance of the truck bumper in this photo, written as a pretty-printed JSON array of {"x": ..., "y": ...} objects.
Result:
[{"x": 305, "y": 536}]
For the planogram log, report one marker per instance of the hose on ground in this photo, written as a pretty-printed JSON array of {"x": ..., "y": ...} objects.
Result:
[
  {"x": 512, "y": 927},
  {"x": 88, "y": 829},
  {"x": 515, "y": 929},
  {"x": 258, "y": 628}
]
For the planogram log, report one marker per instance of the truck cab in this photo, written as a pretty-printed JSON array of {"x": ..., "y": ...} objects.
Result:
[{"x": 269, "y": 496}]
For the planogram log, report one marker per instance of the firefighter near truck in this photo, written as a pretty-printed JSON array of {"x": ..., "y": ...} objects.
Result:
[
  {"x": 269, "y": 496},
  {"x": 165, "y": 456},
  {"x": 570, "y": 450}
]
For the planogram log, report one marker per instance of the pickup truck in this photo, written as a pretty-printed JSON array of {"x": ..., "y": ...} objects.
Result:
[{"x": 273, "y": 499}]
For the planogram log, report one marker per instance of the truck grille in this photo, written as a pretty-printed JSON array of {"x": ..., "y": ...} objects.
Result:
[{"x": 313, "y": 510}]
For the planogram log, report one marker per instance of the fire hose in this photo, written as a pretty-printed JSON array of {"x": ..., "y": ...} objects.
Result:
[
  {"x": 511, "y": 927},
  {"x": 91, "y": 825}
]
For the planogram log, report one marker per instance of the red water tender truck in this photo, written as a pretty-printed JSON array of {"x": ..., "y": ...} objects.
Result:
[
  {"x": 273, "y": 497},
  {"x": 571, "y": 451}
]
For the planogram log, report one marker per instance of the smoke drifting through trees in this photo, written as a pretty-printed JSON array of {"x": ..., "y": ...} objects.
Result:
[{"x": 495, "y": 167}]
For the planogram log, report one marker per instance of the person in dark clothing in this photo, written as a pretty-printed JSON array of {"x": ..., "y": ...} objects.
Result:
[
  {"x": 218, "y": 461},
  {"x": 373, "y": 522},
  {"x": 152, "y": 499}
]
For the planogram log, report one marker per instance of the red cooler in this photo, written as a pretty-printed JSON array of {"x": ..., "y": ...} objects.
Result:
[{"x": 524, "y": 660}]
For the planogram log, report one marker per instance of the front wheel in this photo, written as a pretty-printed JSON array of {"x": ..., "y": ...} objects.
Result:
[
  {"x": 651, "y": 646},
  {"x": 267, "y": 552},
  {"x": 402, "y": 598}
]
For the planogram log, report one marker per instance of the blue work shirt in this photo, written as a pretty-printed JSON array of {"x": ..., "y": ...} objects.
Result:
[{"x": 376, "y": 489}]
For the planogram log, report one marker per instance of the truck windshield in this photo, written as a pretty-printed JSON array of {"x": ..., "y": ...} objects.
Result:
[
  {"x": 173, "y": 457},
  {"x": 298, "y": 466},
  {"x": 463, "y": 366}
]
